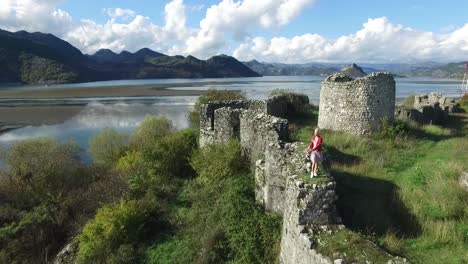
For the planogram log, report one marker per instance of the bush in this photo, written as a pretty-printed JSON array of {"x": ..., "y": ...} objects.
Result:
[
  {"x": 221, "y": 223},
  {"x": 107, "y": 147},
  {"x": 171, "y": 154},
  {"x": 387, "y": 130},
  {"x": 215, "y": 163},
  {"x": 35, "y": 215},
  {"x": 136, "y": 170},
  {"x": 42, "y": 168},
  {"x": 164, "y": 161},
  {"x": 150, "y": 130},
  {"x": 298, "y": 105},
  {"x": 211, "y": 96},
  {"x": 118, "y": 231},
  {"x": 253, "y": 236}
]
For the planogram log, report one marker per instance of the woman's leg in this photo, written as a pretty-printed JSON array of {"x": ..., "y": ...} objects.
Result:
[{"x": 314, "y": 167}]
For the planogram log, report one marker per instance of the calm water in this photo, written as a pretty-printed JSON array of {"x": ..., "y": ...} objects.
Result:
[{"x": 126, "y": 113}]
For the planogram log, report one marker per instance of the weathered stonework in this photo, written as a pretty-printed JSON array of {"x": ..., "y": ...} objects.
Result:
[
  {"x": 433, "y": 108},
  {"x": 263, "y": 137},
  {"x": 446, "y": 104},
  {"x": 68, "y": 254},
  {"x": 280, "y": 161},
  {"x": 216, "y": 124},
  {"x": 305, "y": 205},
  {"x": 356, "y": 106},
  {"x": 258, "y": 130}
]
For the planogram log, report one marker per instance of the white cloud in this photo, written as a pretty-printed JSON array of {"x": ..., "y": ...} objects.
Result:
[
  {"x": 231, "y": 23},
  {"x": 378, "y": 41},
  {"x": 236, "y": 19},
  {"x": 137, "y": 33},
  {"x": 34, "y": 15},
  {"x": 125, "y": 14}
]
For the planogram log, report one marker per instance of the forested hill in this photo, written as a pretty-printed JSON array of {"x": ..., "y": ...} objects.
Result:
[{"x": 38, "y": 58}]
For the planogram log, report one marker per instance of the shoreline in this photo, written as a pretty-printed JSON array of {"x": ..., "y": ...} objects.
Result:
[
  {"x": 34, "y": 107},
  {"x": 97, "y": 92}
]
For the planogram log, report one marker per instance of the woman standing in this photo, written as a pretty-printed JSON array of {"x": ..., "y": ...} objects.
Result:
[{"x": 316, "y": 156}]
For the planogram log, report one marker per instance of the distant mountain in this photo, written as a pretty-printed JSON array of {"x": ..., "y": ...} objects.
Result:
[
  {"x": 354, "y": 71},
  {"x": 37, "y": 58},
  {"x": 281, "y": 69},
  {"x": 423, "y": 69},
  {"x": 106, "y": 55},
  {"x": 450, "y": 70}
]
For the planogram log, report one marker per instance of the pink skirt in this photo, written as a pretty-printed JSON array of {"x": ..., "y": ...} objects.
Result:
[{"x": 316, "y": 156}]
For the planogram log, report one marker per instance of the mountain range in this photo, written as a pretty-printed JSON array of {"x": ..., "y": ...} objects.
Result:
[
  {"x": 425, "y": 69},
  {"x": 38, "y": 58}
]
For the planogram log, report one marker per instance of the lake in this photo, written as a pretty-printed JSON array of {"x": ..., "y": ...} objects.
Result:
[{"x": 126, "y": 113}]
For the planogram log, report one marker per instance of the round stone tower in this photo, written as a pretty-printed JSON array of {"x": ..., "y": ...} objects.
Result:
[{"x": 356, "y": 106}]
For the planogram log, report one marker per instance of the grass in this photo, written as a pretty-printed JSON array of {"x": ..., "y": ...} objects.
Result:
[
  {"x": 353, "y": 247},
  {"x": 323, "y": 177},
  {"x": 403, "y": 192},
  {"x": 408, "y": 102}
]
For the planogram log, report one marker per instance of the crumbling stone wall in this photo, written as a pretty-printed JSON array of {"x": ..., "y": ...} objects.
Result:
[
  {"x": 258, "y": 130},
  {"x": 262, "y": 137},
  {"x": 305, "y": 205},
  {"x": 271, "y": 172},
  {"x": 433, "y": 108},
  {"x": 356, "y": 106},
  {"x": 216, "y": 124},
  {"x": 277, "y": 162}
]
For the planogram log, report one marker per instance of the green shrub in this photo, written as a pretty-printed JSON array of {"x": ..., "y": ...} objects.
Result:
[
  {"x": 387, "y": 130},
  {"x": 107, "y": 147},
  {"x": 253, "y": 236},
  {"x": 297, "y": 107},
  {"x": 220, "y": 222},
  {"x": 158, "y": 168},
  {"x": 117, "y": 231},
  {"x": 149, "y": 131},
  {"x": 137, "y": 170},
  {"x": 211, "y": 96},
  {"x": 42, "y": 167},
  {"x": 35, "y": 214},
  {"x": 214, "y": 163},
  {"x": 171, "y": 154}
]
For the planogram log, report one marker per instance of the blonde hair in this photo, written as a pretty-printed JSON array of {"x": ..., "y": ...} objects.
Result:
[{"x": 317, "y": 130}]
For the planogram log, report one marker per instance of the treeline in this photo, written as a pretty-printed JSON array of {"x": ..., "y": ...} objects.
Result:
[{"x": 149, "y": 197}]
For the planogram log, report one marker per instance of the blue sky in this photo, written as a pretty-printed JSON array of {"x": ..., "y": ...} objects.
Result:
[
  {"x": 331, "y": 18},
  {"x": 309, "y": 30}
]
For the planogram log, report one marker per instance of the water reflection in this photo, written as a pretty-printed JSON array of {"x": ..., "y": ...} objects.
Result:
[{"x": 121, "y": 116}]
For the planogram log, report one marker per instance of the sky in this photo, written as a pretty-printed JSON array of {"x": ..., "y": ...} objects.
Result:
[{"x": 289, "y": 31}]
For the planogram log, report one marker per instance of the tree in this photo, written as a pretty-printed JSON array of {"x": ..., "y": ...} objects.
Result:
[
  {"x": 150, "y": 130},
  {"x": 117, "y": 231},
  {"x": 34, "y": 214},
  {"x": 107, "y": 147}
]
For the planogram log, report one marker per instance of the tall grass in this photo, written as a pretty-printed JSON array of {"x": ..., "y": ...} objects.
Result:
[{"x": 402, "y": 189}]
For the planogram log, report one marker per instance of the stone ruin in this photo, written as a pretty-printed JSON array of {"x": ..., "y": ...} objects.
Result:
[
  {"x": 356, "y": 106},
  {"x": 263, "y": 134},
  {"x": 433, "y": 108}
]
